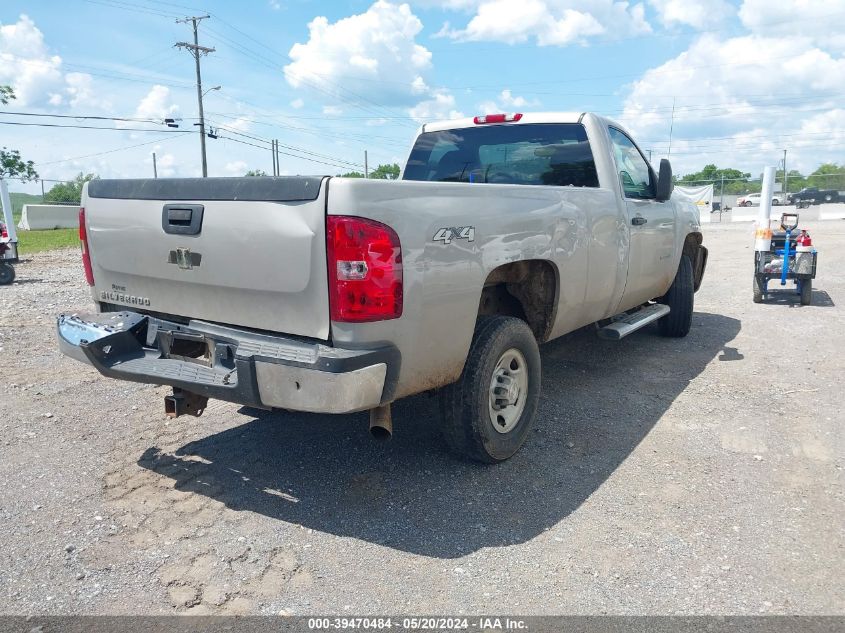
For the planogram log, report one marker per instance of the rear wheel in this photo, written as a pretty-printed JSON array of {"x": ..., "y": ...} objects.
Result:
[
  {"x": 806, "y": 291},
  {"x": 677, "y": 323},
  {"x": 7, "y": 273},
  {"x": 486, "y": 415},
  {"x": 828, "y": 198}
]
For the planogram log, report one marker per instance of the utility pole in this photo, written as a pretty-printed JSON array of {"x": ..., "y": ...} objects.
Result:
[
  {"x": 785, "y": 177},
  {"x": 366, "y": 166},
  {"x": 671, "y": 127},
  {"x": 276, "y": 155},
  {"x": 722, "y": 197},
  {"x": 197, "y": 51},
  {"x": 155, "y": 171}
]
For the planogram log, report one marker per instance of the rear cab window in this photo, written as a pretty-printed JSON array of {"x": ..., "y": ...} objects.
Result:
[{"x": 557, "y": 154}]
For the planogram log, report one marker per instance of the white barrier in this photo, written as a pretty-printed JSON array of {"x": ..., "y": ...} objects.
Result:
[
  {"x": 48, "y": 216},
  {"x": 835, "y": 211},
  {"x": 744, "y": 214}
]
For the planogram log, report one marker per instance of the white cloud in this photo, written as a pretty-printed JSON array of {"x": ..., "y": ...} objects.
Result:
[
  {"x": 372, "y": 57},
  {"x": 440, "y": 106},
  {"x": 153, "y": 107},
  {"x": 37, "y": 76},
  {"x": 82, "y": 92},
  {"x": 156, "y": 104},
  {"x": 695, "y": 13},
  {"x": 297, "y": 104},
  {"x": 236, "y": 167},
  {"x": 332, "y": 110},
  {"x": 818, "y": 20},
  {"x": 506, "y": 102},
  {"x": 549, "y": 22},
  {"x": 755, "y": 94},
  {"x": 241, "y": 124}
]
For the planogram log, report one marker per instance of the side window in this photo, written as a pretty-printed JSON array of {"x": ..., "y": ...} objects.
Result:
[{"x": 634, "y": 172}]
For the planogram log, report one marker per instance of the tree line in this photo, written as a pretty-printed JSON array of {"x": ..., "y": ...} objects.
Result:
[
  {"x": 825, "y": 176},
  {"x": 382, "y": 172}
]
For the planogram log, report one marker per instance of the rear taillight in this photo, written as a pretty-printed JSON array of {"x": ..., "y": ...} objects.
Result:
[
  {"x": 86, "y": 257},
  {"x": 4, "y": 234},
  {"x": 365, "y": 270},
  {"x": 497, "y": 118}
]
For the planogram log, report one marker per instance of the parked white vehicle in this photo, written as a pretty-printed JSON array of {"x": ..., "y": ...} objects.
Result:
[
  {"x": 753, "y": 200},
  {"x": 344, "y": 294}
]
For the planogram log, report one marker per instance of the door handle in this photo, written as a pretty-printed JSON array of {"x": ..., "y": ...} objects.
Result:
[{"x": 638, "y": 220}]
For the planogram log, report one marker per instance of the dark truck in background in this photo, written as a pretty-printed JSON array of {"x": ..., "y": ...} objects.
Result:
[{"x": 814, "y": 195}]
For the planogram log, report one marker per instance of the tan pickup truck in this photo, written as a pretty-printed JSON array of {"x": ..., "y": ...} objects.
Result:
[{"x": 338, "y": 295}]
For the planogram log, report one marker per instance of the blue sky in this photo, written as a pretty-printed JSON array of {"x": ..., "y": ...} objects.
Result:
[{"x": 746, "y": 79}]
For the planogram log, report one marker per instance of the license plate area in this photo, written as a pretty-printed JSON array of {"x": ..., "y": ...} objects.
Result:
[{"x": 187, "y": 347}]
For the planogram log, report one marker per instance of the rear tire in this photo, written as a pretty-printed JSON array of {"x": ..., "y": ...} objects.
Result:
[
  {"x": 499, "y": 387},
  {"x": 680, "y": 298},
  {"x": 806, "y": 291},
  {"x": 7, "y": 273},
  {"x": 758, "y": 289}
]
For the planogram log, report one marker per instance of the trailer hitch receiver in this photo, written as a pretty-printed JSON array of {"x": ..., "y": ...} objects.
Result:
[{"x": 183, "y": 402}]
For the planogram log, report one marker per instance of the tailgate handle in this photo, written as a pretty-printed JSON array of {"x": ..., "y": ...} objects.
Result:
[{"x": 182, "y": 219}]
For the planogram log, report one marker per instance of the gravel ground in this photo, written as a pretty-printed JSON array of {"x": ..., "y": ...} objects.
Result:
[{"x": 691, "y": 476}]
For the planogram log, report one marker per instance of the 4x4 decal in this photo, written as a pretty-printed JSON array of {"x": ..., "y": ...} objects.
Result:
[{"x": 446, "y": 235}]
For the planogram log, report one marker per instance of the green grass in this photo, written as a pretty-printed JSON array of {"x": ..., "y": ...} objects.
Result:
[{"x": 39, "y": 241}]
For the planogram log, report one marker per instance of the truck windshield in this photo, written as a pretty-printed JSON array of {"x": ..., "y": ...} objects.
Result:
[{"x": 528, "y": 154}]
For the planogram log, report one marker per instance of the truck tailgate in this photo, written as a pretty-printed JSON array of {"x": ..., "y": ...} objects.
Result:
[{"x": 249, "y": 252}]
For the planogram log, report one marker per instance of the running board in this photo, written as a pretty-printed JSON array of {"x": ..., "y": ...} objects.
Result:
[{"x": 633, "y": 322}]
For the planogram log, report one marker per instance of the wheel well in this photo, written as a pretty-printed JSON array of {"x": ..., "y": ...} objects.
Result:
[
  {"x": 526, "y": 290},
  {"x": 691, "y": 244},
  {"x": 697, "y": 255}
]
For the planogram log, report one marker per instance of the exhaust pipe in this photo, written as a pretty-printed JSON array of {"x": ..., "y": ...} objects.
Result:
[{"x": 381, "y": 423}]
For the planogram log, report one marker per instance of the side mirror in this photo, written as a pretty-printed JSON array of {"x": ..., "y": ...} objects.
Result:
[{"x": 665, "y": 185}]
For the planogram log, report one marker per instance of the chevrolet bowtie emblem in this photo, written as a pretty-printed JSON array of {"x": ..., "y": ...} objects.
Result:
[{"x": 184, "y": 258}]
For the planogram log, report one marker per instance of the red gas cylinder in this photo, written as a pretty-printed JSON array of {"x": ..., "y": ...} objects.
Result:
[{"x": 803, "y": 243}]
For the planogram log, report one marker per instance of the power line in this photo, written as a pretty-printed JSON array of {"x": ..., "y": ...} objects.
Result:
[
  {"x": 86, "y": 117},
  {"x": 126, "y": 6},
  {"x": 292, "y": 148},
  {"x": 110, "y": 151},
  {"x": 313, "y": 160},
  {"x": 92, "y": 127}
]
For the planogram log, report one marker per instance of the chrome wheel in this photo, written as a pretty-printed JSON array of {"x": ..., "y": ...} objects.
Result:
[{"x": 508, "y": 390}]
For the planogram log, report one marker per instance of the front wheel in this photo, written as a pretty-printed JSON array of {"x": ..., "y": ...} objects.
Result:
[
  {"x": 680, "y": 298},
  {"x": 7, "y": 273},
  {"x": 486, "y": 415}
]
